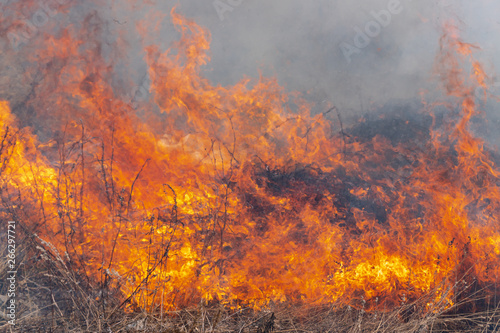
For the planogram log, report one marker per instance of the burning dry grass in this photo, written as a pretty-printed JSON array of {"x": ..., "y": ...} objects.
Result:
[
  {"x": 53, "y": 298},
  {"x": 56, "y": 295},
  {"x": 218, "y": 209}
]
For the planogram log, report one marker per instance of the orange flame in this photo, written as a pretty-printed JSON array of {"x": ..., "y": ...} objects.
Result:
[{"x": 230, "y": 194}]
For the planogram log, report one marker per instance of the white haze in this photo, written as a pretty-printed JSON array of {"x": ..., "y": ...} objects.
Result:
[{"x": 299, "y": 43}]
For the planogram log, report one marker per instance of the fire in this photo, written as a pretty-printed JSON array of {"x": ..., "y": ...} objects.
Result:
[{"x": 231, "y": 194}]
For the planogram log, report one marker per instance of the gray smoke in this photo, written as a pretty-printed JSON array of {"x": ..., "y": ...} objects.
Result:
[
  {"x": 349, "y": 53},
  {"x": 357, "y": 55}
]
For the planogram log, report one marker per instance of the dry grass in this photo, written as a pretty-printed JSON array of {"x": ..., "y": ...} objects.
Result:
[
  {"x": 51, "y": 297},
  {"x": 54, "y": 295}
]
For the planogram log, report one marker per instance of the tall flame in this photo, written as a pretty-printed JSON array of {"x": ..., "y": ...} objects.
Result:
[{"x": 239, "y": 194}]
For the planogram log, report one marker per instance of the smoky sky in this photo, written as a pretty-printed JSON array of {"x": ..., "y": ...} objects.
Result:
[
  {"x": 303, "y": 43},
  {"x": 300, "y": 43}
]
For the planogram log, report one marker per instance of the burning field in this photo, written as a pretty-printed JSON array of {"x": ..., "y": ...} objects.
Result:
[{"x": 208, "y": 208}]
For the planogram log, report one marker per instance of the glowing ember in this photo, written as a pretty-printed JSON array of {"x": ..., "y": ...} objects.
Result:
[{"x": 228, "y": 194}]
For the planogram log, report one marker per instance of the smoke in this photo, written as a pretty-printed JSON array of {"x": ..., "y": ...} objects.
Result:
[
  {"x": 342, "y": 52},
  {"x": 347, "y": 53}
]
